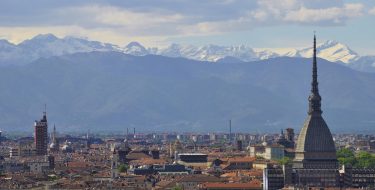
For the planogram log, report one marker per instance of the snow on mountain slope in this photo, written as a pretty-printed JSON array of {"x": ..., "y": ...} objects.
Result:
[
  {"x": 364, "y": 63},
  {"x": 266, "y": 53},
  {"x": 177, "y": 50},
  {"x": 329, "y": 50},
  {"x": 47, "y": 45},
  {"x": 210, "y": 52},
  {"x": 332, "y": 51},
  {"x": 135, "y": 48},
  {"x": 10, "y": 53}
]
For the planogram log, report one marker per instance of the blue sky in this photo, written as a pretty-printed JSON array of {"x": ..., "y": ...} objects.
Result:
[{"x": 258, "y": 23}]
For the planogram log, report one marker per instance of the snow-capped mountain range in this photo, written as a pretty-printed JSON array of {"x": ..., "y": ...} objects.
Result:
[{"x": 47, "y": 45}]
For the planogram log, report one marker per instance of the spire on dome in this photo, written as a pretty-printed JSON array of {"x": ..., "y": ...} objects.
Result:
[
  {"x": 314, "y": 98},
  {"x": 315, "y": 146}
]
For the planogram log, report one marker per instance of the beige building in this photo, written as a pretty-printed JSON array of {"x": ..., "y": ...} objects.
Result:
[{"x": 269, "y": 152}]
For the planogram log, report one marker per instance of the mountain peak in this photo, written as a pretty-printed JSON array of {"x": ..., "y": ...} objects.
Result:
[
  {"x": 133, "y": 44},
  {"x": 5, "y": 45},
  {"x": 5, "y": 42},
  {"x": 47, "y": 37},
  {"x": 135, "y": 48},
  {"x": 76, "y": 37},
  {"x": 46, "y": 45},
  {"x": 330, "y": 44},
  {"x": 39, "y": 40},
  {"x": 332, "y": 51}
]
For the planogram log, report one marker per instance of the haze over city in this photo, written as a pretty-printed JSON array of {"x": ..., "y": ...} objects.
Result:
[{"x": 230, "y": 32}]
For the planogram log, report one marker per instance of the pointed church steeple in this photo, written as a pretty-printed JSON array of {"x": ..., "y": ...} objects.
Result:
[
  {"x": 314, "y": 98},
  {"x": 54, "y": 133}
]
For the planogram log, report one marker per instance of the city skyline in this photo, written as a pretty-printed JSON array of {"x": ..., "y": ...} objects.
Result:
[{"x": 187, "y": 95}]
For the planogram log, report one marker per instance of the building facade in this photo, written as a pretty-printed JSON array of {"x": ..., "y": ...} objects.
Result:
[
  {"x": 41, "y": 135},
  {"x": 269, "y": 152}
]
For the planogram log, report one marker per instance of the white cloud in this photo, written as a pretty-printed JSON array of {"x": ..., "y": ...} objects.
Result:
[
  {"x": 144, "y": 20},
  {"x": 18, "y": 34},
  {"x": 121, "y": 20},
  {"x": 116, "y": 16},
  {"x": 303, "y": 11},
  {"x": 334, "y": 15},
  {"x": 372, "y": 11},
  {"x": 270, "y": 12}
]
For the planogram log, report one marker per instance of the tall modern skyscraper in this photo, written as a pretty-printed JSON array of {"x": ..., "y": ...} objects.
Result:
[
  {"x": 41, "y": 135},
  {"x": 315, "y": 147}
]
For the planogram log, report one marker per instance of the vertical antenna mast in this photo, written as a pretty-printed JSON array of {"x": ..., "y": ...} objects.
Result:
[
  {"x": 45, "y": 113},
  {"x": 230, "y": 131},
  {"x": 45, "y": 109}
]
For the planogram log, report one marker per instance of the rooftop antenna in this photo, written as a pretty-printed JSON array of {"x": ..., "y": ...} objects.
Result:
[
  {"x": 88, "y": 133},
  {"x": 230, "y": 131},
  {"x": 45, "y": 109}
]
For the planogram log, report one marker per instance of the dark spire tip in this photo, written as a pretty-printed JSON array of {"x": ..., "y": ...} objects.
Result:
[{"x": 314, "y": 98}]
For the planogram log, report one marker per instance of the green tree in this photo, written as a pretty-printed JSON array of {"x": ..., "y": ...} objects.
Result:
[
  {"x": 365, "y": 160},
  {"x": 123, "y": 168},
  {"x": 284, "y": 161},
  {"x": 346, "y": 157},
  {"x": 177, "y": 187},
  {"x": 360, "y": 160}
]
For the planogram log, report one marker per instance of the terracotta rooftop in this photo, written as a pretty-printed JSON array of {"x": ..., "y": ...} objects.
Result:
[
  {"x": 200, "y": 178},
  {"x": 253, "y": 173},
  {"x": 78, "y": 164},
  {"x": 137, "y": 155},
  {"x": 255, "y": 184},
  {"x": 148, "y": 161},
  {"x": 242, "y": 159}
]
